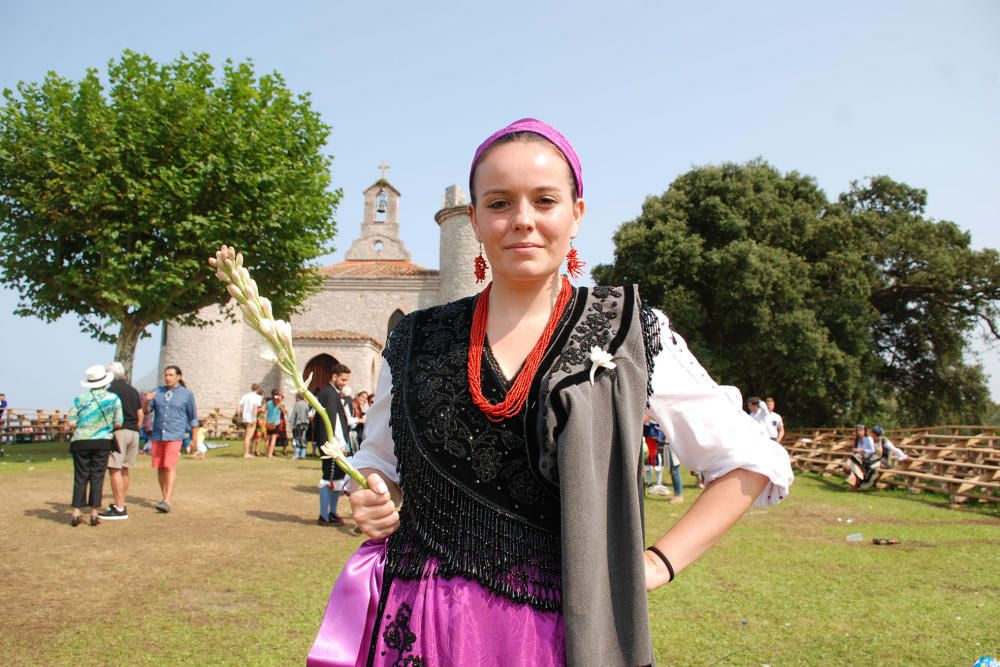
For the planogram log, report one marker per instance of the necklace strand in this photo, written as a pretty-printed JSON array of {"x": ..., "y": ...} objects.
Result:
[{"x": 518, "y": 394}]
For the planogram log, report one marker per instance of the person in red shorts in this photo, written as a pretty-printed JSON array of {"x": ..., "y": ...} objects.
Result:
[{"x": 174, "y": 411}]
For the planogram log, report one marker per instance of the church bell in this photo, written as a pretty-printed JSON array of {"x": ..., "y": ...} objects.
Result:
[{"x": 380, "y": 202}]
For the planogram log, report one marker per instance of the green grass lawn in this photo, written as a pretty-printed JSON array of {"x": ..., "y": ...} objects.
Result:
[
  {"x": 239, "y": 574},
  {"x": 786, "y": 587}
]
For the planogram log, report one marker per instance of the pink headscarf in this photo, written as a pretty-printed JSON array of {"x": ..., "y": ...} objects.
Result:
[{"x": 542, "y": 129}]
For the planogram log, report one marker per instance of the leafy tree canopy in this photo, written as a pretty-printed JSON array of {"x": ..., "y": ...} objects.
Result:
[
  {"x": 854, "y": 309},
  {"x": 111, "y": 199}
]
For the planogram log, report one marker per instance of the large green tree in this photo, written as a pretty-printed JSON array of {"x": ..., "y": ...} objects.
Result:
[
  {"x": 111, "y": 199},
  {"x": 858, "y": 308}
]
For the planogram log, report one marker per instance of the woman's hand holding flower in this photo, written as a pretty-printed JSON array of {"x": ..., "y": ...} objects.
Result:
[{"x": 374, "y": 510}]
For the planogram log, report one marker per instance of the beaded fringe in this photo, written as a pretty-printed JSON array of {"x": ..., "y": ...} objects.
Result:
[{"x": 653, "y": 344}]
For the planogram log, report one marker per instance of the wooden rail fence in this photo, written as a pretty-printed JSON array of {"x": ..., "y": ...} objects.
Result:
[
  {"x": 962, "y": 462},
  {"x": 25, "y": 425}
]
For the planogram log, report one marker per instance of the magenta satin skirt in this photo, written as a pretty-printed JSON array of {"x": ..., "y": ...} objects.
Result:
[
  {"x": 430, "y": 622},
  {"x": 436, "y": 621}
]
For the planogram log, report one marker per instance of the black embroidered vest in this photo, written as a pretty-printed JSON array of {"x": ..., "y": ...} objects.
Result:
[
  {"x": 472, "y": 501},
  {"x": 481, "y": 499}
]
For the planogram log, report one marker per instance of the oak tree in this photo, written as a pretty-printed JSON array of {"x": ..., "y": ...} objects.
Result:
[{"x": 855, "y": 309}]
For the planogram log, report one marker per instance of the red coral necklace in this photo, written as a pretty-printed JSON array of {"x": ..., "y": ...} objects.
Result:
[{"x": 518, "y": 394}]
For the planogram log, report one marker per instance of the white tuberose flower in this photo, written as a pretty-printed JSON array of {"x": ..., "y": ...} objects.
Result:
[
  {"x": 284, "y": 330},
  {"x": 600, "y": 359},
  {"x": 332, "y": 450},
  {"x": 267, "y": 354}
]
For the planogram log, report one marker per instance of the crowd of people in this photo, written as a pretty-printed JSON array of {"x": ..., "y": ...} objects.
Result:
[
  {"x": 268, "y": 423},
  {"x": 113, "y": 423},
  {"x": 110, "y": 420}
]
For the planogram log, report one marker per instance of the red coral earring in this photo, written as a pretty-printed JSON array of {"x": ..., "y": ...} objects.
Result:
[
  {"x": 574, "y": 267},
  {"x": 481, "y": 266}
]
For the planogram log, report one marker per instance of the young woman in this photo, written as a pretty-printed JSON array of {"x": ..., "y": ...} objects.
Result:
[{"x": 510, "y": 426}]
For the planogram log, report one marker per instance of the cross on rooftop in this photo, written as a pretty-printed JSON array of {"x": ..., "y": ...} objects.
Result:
[{"x": 384, "y": 166}]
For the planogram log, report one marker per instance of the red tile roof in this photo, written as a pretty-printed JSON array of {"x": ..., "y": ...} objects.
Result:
[
  {"x": 374, "y": 268},
  {"x": 335, "y": 335}
]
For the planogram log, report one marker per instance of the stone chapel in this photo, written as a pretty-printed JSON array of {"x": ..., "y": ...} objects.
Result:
[{"x": 347, "y": 321}]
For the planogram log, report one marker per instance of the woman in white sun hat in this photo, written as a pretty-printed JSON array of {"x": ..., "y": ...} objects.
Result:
[{"x": 95, "y": 414}]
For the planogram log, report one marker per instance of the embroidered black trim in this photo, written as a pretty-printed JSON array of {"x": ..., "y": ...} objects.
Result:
[
  {"x": 595, "y": 330},
  {"x": 398, "y": 637},
  {"x": 544, "y": 461}
]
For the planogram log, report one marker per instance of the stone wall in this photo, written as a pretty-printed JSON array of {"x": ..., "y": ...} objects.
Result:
[
  {"x": 459, "y": 248},
  {"x": 222, "y": 361},
  {"x": 364, "y": 305},
  {"x": 210, "y": 358}
]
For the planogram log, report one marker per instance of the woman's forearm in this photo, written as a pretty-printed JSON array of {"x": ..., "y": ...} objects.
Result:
[{"x": 715, "y": 511}]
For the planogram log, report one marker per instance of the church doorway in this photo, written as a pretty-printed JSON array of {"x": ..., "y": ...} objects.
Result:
[{"x": 321, "y": 367}]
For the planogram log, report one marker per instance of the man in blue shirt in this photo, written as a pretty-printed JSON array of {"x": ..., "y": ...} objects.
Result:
[{"x": 174, "y": 412}]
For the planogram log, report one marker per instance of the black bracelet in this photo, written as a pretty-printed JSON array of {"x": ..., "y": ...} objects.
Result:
[{"x": 666, "y": 561}]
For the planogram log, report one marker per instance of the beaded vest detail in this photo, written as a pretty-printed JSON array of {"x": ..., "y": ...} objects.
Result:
[{"x": 472, "y": 503}]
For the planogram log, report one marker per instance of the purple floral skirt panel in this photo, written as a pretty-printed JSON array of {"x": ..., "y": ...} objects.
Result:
[{"x": 436, "y": 622}]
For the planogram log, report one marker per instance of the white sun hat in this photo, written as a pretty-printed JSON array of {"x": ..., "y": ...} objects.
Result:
[{"x": 97, "y": 376}]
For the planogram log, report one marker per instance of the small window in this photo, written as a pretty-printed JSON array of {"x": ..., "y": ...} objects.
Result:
[{"x": 393, "y": 321}]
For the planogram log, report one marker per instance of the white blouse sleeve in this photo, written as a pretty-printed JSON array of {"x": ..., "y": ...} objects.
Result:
[
  {"x": 705, "y": 423},
  {"x": 377, "y": 450}
]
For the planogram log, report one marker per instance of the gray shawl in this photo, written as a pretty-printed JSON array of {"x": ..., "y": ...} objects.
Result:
[{"x": 595, "y": 431}]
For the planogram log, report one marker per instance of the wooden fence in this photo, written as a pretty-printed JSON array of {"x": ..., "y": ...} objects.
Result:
[
  {"x": 962, "y": 462},
  {"x": 21, "y": 425}
]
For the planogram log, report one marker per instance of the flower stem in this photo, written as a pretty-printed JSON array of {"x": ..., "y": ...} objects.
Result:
[{"x": 321, "y": 411}]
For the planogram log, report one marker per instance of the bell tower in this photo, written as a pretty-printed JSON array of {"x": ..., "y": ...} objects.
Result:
[{"x": 380, "y": 227}]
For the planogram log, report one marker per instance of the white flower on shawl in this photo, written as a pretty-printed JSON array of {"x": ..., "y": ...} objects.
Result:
[{"x": 600, "y": 359}]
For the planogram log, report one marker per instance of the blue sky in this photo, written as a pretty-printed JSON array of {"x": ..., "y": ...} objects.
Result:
[{"x": 644, "y": 90}]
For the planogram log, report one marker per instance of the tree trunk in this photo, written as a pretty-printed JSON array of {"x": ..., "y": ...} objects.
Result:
[{"x": 128, "y": 336}]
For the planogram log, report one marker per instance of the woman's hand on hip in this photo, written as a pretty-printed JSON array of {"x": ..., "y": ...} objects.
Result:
[{"x": 656, "y": 573}]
